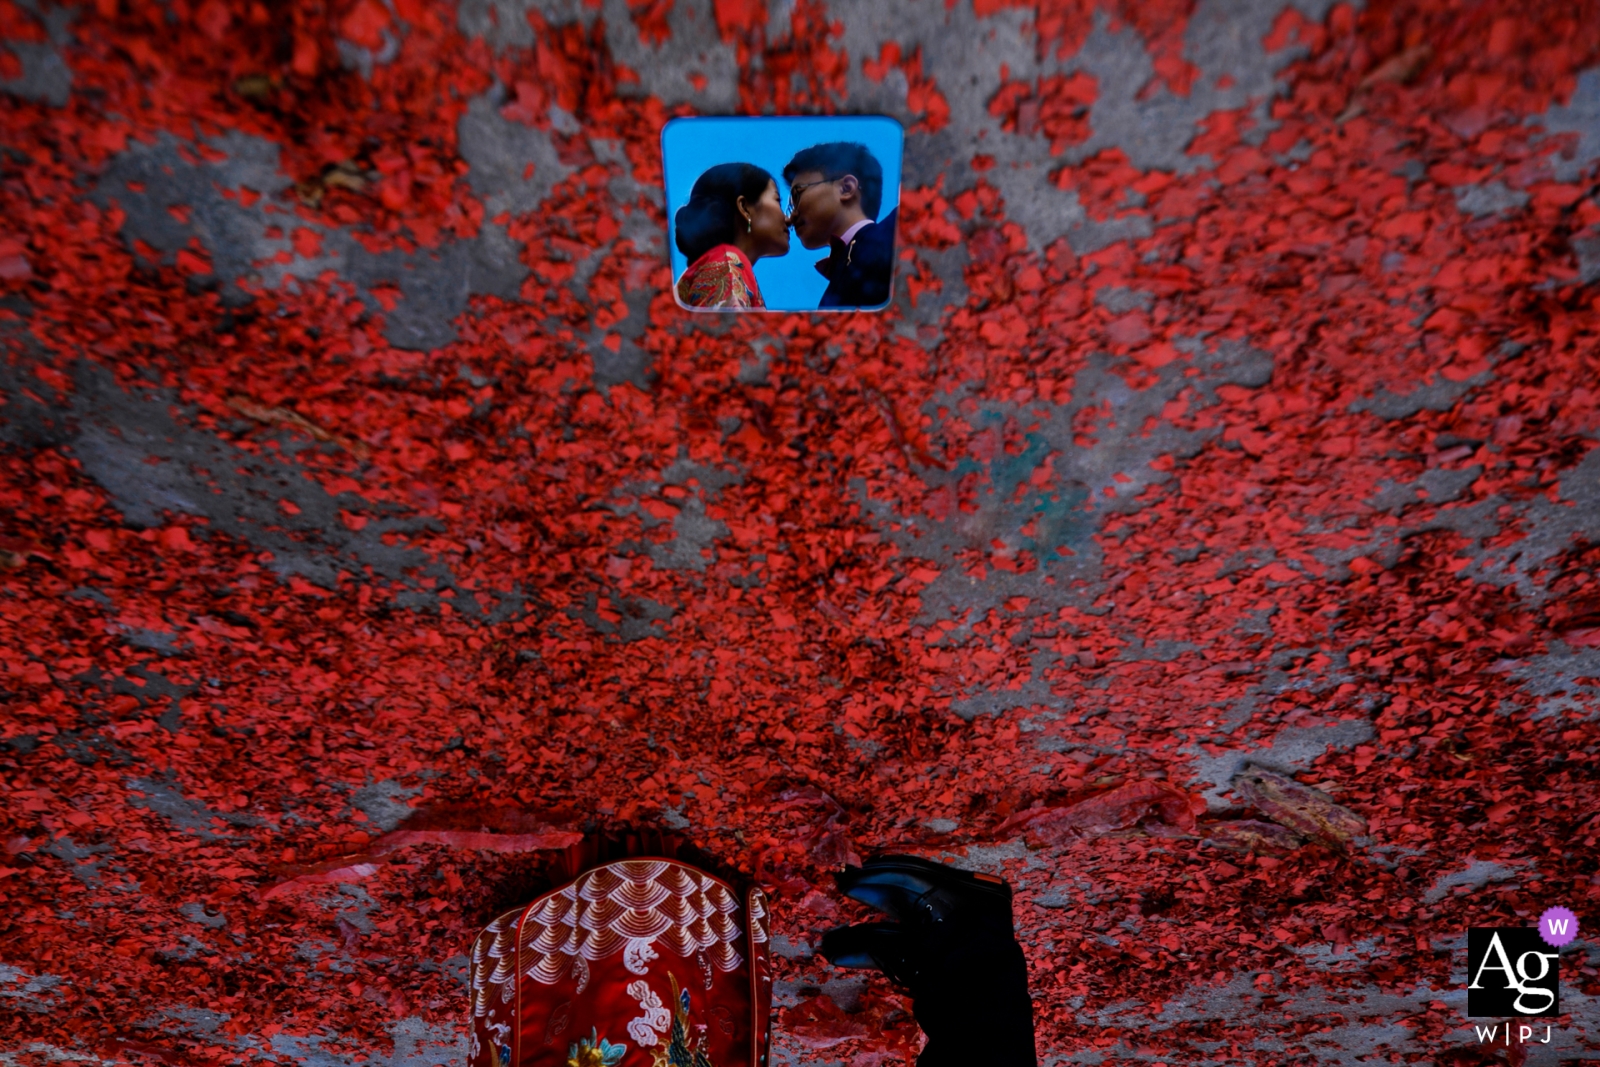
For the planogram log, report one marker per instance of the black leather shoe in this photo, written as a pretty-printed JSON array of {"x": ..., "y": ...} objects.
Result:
[
  {"x": 953, "y": 950},
  {"x": 887, "y": 946},
  {"x": 916, "y": 891}
]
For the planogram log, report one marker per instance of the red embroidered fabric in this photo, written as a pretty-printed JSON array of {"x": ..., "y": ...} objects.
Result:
[
  {"x": 722, "y": 278},
  {"x": 636, "y": 963}
]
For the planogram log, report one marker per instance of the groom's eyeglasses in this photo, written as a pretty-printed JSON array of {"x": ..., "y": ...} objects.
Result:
[{"x": 797, "y": 191}]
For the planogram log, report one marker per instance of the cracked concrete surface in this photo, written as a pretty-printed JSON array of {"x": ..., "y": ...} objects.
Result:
[
  {"x": 45, "y": 75},
  {"x": 160, "y": 798},
  {"x": 384, "y": 803},
  {"x": 435, "y": 284},
  {"x": 153, "y": 463},
  {"x": 666, "y": 70},
  {"x": 21, "y": 991},
  {"x": 1152, "y": 129}
]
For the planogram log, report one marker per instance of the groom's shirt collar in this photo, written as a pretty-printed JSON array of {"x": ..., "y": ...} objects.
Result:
[
  {"x": 839, "y": 249},
  {"x": 850, "y": 234}
]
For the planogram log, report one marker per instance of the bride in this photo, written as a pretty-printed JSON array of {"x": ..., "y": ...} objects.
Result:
[{"x": 733, "y": 218}]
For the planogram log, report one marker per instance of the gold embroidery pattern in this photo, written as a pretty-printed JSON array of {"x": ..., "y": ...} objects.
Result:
[
  {"x": 595, "y": 1051},
  {"x": 717, "y": 283},
  {"x": 682, "y": 1051}
]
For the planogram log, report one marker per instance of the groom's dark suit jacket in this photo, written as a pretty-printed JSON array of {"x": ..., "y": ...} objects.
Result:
[{"x": 859, "y": 274}]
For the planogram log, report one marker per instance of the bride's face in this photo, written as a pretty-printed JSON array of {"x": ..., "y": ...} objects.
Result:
[{"x": 769, "y": 230}]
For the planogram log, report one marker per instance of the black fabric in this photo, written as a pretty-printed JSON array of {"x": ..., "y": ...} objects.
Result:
[
  {"x": 971, "y": 998},
  {"x": 953, "y": 950},
  {"x": 859, "y": 275}
]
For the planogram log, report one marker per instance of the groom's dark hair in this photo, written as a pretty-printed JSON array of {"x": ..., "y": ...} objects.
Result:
[{"x": 838, "y": 158}]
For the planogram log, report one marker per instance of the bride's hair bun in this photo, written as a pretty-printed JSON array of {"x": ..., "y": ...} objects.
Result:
[{"x": 711, "y": 217}]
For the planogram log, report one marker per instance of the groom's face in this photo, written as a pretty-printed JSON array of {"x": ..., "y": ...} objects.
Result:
[{"x": 813, "y": 204}]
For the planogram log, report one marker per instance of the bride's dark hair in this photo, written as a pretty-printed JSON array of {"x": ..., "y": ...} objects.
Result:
[{"x": 711, "y": 217}]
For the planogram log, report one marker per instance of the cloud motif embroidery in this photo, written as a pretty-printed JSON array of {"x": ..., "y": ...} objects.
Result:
[
  {"x": 637, "y": 956},
  {"x": 655, "y": 1020}
]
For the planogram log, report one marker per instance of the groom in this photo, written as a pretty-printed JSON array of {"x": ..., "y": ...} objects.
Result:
[{"x": 835, "y": 191}]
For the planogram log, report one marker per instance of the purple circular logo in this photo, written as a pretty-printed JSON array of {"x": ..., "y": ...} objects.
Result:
[{"x": 1558, "y": 926}]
